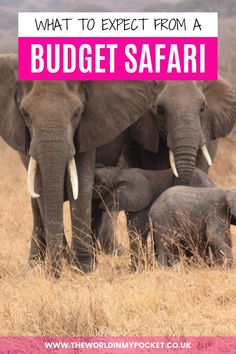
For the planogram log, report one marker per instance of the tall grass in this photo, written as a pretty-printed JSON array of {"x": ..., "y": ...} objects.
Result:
[{"x": 181, "y": 300}]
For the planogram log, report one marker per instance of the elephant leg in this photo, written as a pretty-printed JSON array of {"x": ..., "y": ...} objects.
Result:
[
  {"x": 38, "y": 240},
  {"x": 160, "y": 250},
  {"x": 160, "y": 246},
  {"x": 219, "y": 240},
  {"x": 96, "y": 220},
  {"x": 138, "y": 231},
  {"x": 82, "y": 240},
  {"x": 134, "y": 249},
  {"x": 103, "y": 226},
  {"x": 106, "y": 234}
]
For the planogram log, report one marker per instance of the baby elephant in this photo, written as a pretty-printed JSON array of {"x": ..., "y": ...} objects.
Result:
[
  {"x": 134, "y": 190},
  {"x": 193, "y": 219}
]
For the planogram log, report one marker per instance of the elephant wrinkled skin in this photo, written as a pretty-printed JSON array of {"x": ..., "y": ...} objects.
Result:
[
  {"x": 186, "y": 120},
  {"x": 134, "y": 191},
  {"x": 198, "y": 219},
  {"x": 56, "y": 127},
  {"x": 181, "y": 129}
]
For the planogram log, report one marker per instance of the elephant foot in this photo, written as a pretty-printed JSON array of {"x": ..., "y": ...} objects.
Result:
[
  {"x": 84, "y": 266},
  {"x": 54, "y": 268},
  {"x": 224, "y": 258},
  {"x": 163, "y": 261},
  {"x": 115, "y": 250},
  {"x": 48, "y": 269},
  {"x": 136, "y": 264},
  {"x": 109, "y": 244},
  {"x": 54, "y": 273},
  {"x": 68, "y": 255},
  {"x": 137, "y": 268},
  {"x": 35, "y": 262},
  {"x": 37, "y": 252},
  {"x": 118, "y": 250},
  {"x": 38, "y": 265}
]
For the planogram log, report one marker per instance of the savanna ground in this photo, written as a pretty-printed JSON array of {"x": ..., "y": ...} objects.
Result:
[{"x": 111, "y": 301}]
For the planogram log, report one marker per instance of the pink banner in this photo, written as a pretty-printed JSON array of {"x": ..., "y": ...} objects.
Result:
[
  {"x": 188, "y": 58},
  {"x": 118, "y": 345}
]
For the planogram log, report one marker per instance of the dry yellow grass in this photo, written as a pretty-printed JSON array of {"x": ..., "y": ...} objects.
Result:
[{"x": 111, "y": 301}]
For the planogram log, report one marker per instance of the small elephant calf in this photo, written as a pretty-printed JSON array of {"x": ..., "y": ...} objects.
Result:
[
  {"x": 134, "y": 190},
  {"x": 198, "y": 219}
]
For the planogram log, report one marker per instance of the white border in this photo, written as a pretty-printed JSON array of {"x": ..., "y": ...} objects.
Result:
[{"x": 208, "y": 21}]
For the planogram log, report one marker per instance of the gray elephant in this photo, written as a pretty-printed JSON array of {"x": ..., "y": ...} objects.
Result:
[
  {"x": 56, "y": 127},
  {"x": 134, "y": 191},
  {"x": 186, "y": 120},
  {"x": 195, "y": 220},
  {"x": 182, "y": 129}
]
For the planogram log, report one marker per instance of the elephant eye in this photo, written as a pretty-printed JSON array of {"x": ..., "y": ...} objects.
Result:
[
  {"x": 26, "y": 116},
  {"x": 77, "y": 112},
  {"x": 24, "y": 112},
  {"x": 203, "y": 108},
  {"x": 160, "y": 109},
  {"x": 97, "y": 180},
  {"x": 120, "y": 184}
]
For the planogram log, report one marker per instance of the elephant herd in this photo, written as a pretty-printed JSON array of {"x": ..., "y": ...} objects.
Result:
[{"x": 62, "y": 129}]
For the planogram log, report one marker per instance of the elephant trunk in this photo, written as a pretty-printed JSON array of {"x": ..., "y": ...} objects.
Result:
[
  {"x": 72, "y": 172},
  {"x": 53, "y": 160},
  {"x": 185, "y": 159},
  {"x": 183, "y": 153},
  {"x": 52, "y": 170}
]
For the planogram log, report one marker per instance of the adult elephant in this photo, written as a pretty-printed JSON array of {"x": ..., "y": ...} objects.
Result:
[
  {"x": 183, "y": 127},
  {"x": 56, "y": 127}
]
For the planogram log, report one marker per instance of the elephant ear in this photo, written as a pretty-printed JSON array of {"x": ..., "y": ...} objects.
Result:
[
  {"x": 12, "y": 128},
  {"x": 201, "y": 179},
  {"x": 111, "y": 107},
  {"x": 104, "y": 176},
  {"x": 221, "y": 112},
  {"x": 131, "y": 194},
  {"x": 145, "y": 132},
  {"x": 231, "y": 200}
]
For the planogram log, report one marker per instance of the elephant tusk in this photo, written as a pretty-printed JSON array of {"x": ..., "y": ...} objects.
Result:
[
  {"x": 31, "y": 177},
  {"x": 206, "y": 154},
  {"x": 172, "y": 163},
  {"x": 73, "y": 178}
]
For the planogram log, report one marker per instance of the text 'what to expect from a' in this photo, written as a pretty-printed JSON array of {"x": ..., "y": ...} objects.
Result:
[
  {"x": 118, "y": 46},
  {"x": 101, "y": 58}
]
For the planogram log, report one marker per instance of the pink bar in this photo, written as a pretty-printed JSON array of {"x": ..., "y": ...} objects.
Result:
[
  {"x": 211, "y": 59},
  {"x": 118, "y": 345}
]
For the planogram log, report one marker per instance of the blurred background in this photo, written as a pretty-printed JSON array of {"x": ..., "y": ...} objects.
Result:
[
  {"x": 224, "y": 168},
  {"x": 226, "y": 10},
  {"x": 226, "y": 158}
]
